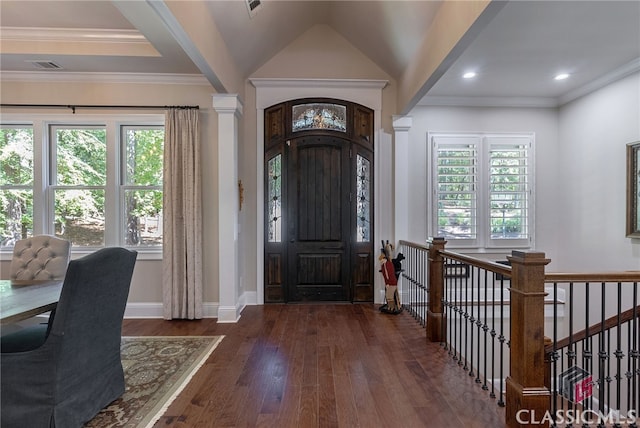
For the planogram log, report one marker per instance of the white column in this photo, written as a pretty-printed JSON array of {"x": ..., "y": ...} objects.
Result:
[
  {"x": 229, "y": 109},
  {"x": 401, "y": 126}
]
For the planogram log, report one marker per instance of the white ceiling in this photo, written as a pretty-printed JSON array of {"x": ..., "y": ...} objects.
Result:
[
  {"x": 516, "y": 55},
  {"x": 528, "y": 43}
]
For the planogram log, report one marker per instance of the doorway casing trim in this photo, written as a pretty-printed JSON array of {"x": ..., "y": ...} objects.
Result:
[{"x": 273, "y": 91}]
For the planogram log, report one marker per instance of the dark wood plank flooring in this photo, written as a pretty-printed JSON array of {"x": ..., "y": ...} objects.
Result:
[{"x": 330, "y": 365}]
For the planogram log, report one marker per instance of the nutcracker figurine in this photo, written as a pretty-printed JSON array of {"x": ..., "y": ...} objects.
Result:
[{"x": 390, "y": 269}]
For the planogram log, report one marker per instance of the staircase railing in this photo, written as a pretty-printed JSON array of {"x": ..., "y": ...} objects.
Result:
[
  {"x": 476, "y": 309},
  {"x": 414, "y": 290},
  {"x": 593, "y": 372},
  {"x": 500, "y": 321}
]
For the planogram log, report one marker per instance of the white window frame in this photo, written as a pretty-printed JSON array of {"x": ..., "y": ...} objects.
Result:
[
  {"x": 43, "y": 218},
  {"x": 483, "y": 141}
]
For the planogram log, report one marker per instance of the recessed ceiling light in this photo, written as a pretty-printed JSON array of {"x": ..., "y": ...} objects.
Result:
[
  {"x": 469, "y": 75},
  {"x": 561, "y": 76}
]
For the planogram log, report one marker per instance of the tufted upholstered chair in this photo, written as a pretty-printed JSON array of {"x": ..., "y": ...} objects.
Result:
[{"x": 40, "y": 257}]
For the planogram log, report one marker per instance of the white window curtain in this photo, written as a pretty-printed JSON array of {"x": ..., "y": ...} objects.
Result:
[{"x": 182, "y": 245}]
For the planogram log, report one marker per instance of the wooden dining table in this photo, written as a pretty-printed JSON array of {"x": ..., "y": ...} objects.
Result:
[{"x": 20, "y": 300}]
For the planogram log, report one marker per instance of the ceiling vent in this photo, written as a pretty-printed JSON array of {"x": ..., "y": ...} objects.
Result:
[
  {"x": 45, "y": 65},
  {"x": 253, "y": 6}
]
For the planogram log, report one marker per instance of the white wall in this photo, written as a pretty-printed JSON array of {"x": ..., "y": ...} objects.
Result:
[
  {"x": 580, "y": 172},
  {"x": 593, "y": 134},
  {"x": 541, "y": 121}
]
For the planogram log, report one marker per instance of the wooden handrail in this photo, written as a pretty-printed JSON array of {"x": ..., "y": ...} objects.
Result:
[
  {"x": 624, "y": 317},
  {"x": 414, "y": 245},
  {"x": 628, "y": 276},
  {"x": 498, "y": 268}
]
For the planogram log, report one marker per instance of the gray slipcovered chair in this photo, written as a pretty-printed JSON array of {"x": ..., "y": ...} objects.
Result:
[
  {"x": 40, "y": 257},
  {"x": 63, "y": 374}
]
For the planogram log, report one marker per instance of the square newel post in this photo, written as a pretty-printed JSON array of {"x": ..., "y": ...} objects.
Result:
[
  {"x": 528, "y": 399},
  {"x": 435, "y": 314}
]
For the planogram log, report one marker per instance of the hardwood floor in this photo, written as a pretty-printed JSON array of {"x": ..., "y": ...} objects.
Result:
[{"x": 333, "y": 365}]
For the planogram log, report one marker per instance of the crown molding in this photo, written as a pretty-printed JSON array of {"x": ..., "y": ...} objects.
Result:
[
  {"x": 617, "y": 74},
  {"x": 73, "y": 77},
  {"x": 540, "y": 102},
  {"x": 534, "y": 102},
  {"x": 71, "y": 35}
]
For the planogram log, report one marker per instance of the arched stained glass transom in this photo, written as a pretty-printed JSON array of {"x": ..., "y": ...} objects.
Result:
[{"x": 319, "y": 116}]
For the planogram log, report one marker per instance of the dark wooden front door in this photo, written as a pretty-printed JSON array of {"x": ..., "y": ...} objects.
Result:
[
  {"x": 318, "y": 202},
  {"x": 319, "y": 224}
]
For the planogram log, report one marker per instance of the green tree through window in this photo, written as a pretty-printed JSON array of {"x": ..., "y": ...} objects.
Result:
[
  {"x": 16, "y": 183},
  {"x": 80, "y": 165},
  {"x": 143, "y": 151},
  {"x": 94, "y": 184}
]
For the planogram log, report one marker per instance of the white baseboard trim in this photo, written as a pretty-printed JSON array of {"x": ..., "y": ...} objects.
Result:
[
  {"x": 250, "y": 298},
  {"x": 229, "y": 314},
  {"x": 154, "y": 310}
]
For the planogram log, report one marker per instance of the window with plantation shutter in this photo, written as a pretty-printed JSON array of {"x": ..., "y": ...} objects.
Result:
[
  {"x": 509, "y": 188},
  {"x": 482, "y": 189},
  {"x": 456, "y": 175}
]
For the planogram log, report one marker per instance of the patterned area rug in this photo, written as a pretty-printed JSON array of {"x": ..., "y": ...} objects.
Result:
[{"x": 156, "y": 369}]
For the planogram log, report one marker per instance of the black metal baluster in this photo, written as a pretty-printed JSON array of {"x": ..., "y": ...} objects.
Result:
[
  {"x": 472, "y": 319},
  {"x": 480, "y": 325},
  {"x": 414, "y": 283},
  {"x": 419, "y": 287},
  {"x": 406, "y": 284},
  {"x": 587, "y": 354},
  {"x": 634, "y": 355},
  {"x": 445, "y": 306},
  {"x": 411, "y": 266},
  {"x": 571, "y": 354},
  {"x": 408, "y": 274},
  {"x": 618, "y": 352},
  {"x": 602, "y": 354},
  {"x": 458, "y": 288},
  {"x": 425, "y": 283},
  {"x": 465, "y": 305},
  {"x": 608, "y": 378},
  {"x": 501, "y": 338},
  {"x": 454, "y": 311},
  {"x": 492, "y": 333},
  {"x": 406, "y": 288},
  {"x": 554, "y": 355},
  {"x": 452, "y": 299},
  {"x": 451, "y": 317}
]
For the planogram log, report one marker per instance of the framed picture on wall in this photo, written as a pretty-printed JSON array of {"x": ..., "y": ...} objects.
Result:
[{"x": 633, "y": 190}]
